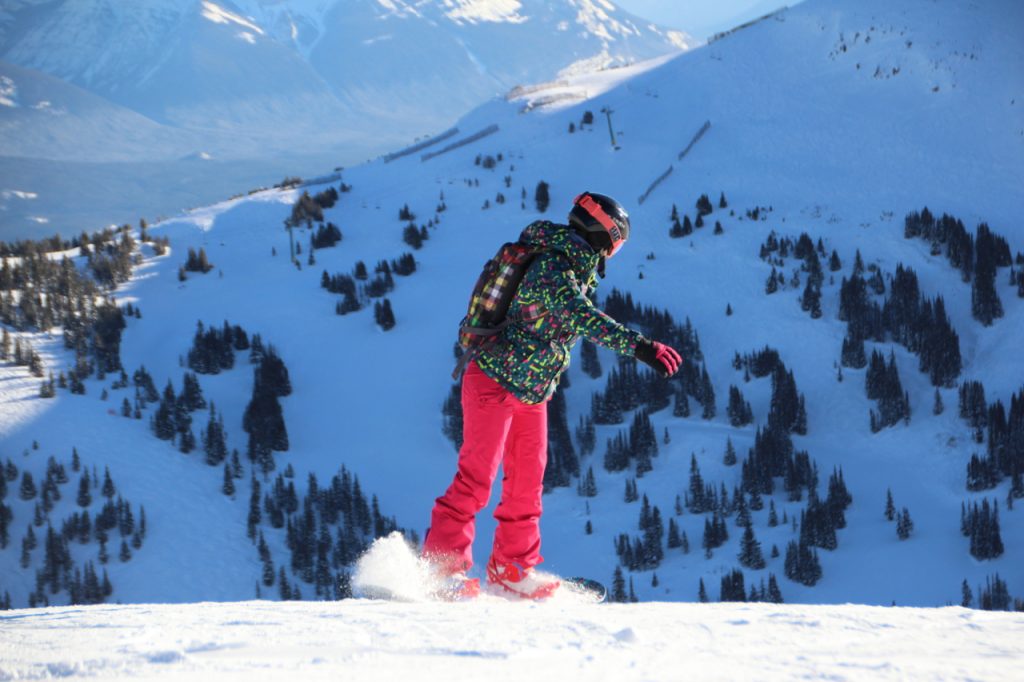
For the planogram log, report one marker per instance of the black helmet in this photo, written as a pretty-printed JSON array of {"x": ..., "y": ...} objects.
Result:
[{"x": 602, "y": 220}]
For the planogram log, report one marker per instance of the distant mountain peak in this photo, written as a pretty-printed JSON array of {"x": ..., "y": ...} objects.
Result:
[
  {"x": 218, "y": 15},
  {"x": 496, "y": 11}
]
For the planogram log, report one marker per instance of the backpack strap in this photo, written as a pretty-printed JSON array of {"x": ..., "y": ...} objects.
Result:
[{"x": 460, "y": 364}]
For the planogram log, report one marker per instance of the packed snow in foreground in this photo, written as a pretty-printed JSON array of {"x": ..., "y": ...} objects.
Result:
[{"x": 494, "y": 639}]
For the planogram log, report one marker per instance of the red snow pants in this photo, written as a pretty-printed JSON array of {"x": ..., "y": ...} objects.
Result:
[{"x": 497, "y": 429}]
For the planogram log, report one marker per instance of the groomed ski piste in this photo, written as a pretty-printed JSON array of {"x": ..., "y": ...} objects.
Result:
[
  {"x": 840, "y": 143},
  {"x": 496, "y": 640},
  {"x": 417, "y": 637}
]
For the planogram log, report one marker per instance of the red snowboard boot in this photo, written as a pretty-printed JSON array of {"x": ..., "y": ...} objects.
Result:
[{"x": 523, "y": 583}]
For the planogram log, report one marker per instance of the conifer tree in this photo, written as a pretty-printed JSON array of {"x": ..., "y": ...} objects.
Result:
[
  {"x": 84, "y": 498},
  {"x": 191, "y": 393},
  {"x": 268, "y": 571},
  {"x": 707, "y": 395},
  {"x": 163, "y": 421},
  {"x": 108, "y": 489},
  {"x": 681, "y": 407},
  {"x": 542, "y": 197},
  {"x": 213, "y": 438},
  {"x": 853, "y": 352},
  {"x": 383, "y": 315},
  {"x": 967, "y": 597},
  {"x": 750, "y": 550},
  {"x": 28, "y": 490},
  {"x": 811, "y": 298},
  {"x": 802, "y": 563},
  {"x": 739, "y": 411},
  {"x": 774, "y": 594},
  {"x": 732, "y": 588},
  {"x": 616, "y": 456},
  {"x": 673, "y": 541},
  {"x": 687, "y": 228},
  {"x": 985, "y": 304},
  {"x": 982, "y": 525},
  {"x": 904, "y": 526},
  {"x": 452, "y": 416},
  {"x": 703, "y": 205},
  {"x": 698, "y": 501},
  {"x": 284, "y": 587},
  {"x": 590, "y": 362},
  {"x": 228, "y": 487},
  {"x": 254, "y": 511},
  {"x": 800, "y": 421},
  {"x": 729, "y": 459},
  {"x": 618, "y": 593},
  {"x": 676, "y": 231},
  {"x": 995, "y": 596},
  {"x": 589, "y": 484}
]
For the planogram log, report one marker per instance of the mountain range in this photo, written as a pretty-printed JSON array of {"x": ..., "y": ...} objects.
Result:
[{"x": 117, "y": 110}]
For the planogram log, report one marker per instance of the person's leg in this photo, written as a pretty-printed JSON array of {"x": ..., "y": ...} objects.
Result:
[
  {"x": 486, "y": 417},
  {"x": 517, "y": 538}
]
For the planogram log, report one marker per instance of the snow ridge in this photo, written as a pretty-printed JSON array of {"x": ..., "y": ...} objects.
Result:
[{"x": 505, "y": 641}]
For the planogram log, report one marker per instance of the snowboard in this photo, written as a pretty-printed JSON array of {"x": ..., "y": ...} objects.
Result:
[
  {"x": 392, "y": 570},
  {"x": 590, "y": 590},
  {"x": 582, "y": 589}
]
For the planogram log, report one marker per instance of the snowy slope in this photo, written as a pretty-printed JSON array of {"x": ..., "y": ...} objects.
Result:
[
  {"x": 798, "y": 124},
  {"x": 500, "y": 641},
  {"x": 43, "y": 116}
]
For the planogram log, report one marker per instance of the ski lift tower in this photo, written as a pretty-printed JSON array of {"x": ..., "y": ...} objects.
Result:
[
  {"x": 611, "y": 131},
  {"x": 289, "y": 224}
]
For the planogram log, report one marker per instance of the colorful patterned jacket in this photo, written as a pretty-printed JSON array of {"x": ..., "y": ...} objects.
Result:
[{"x": 550, "y": 312}]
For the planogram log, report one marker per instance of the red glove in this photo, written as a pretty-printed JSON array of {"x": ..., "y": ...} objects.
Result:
[{"x": 665, "y": 360}]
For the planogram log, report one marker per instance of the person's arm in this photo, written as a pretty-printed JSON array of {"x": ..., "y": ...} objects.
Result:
[{"x": 578, "y": 314}]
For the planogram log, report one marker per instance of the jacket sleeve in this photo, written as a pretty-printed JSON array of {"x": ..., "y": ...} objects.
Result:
[{"x": 567, "y": 302}]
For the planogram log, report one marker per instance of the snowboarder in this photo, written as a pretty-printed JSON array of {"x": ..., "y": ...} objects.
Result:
[{"x": 506, "y": 386}]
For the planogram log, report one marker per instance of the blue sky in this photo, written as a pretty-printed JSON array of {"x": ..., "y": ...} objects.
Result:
[{"x": 701, "y": 18}]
